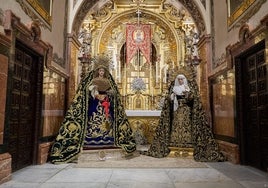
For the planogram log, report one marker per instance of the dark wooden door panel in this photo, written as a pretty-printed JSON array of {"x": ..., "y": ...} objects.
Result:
[
  {"x": 255, "y": 109},
  {"x": 22, "y": 113}
]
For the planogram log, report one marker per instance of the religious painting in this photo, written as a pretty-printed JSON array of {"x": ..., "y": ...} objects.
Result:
[
  {"x": 138, "y": 38},
  {"x": 223, "y": 97},
  {"x": 240, "y": 10},
  {"x": 38, "y": 9},
  {"x": 233, "y": 6},
  {"x": 138, "y": 35}
]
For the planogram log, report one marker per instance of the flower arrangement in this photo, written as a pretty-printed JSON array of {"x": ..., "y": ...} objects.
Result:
[{"x": 138, "y": 85}]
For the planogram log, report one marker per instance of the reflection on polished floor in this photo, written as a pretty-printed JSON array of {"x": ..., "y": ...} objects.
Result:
[{"x": 220, "y": 175}]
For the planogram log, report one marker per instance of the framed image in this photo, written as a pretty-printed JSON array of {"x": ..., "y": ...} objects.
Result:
[
  {"x": 237, "y": 9},
  {"x": 40, "y": 10}
]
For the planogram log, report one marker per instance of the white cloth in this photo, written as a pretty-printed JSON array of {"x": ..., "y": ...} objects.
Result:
[
  {"x": 179, "y": 89},
  {"x": 93, "y": 90}
]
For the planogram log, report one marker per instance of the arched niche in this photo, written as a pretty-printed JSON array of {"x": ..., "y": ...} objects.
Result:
[{"x": 194, "y": 8}]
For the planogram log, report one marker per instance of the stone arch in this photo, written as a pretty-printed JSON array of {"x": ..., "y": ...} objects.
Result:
[
  {"x": 130, "y": 14},
  {"x": 191, "y": 6}
]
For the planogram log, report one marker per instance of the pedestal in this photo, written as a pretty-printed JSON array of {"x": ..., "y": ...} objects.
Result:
[
  {"x": 181, "y": 152},
  {"x": 143, "y": 124}
]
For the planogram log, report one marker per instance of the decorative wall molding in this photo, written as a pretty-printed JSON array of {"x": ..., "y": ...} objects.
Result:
[
  {"x": 81, "y": 14},
  {"x": 5, "y": 44},
  {"x": 30, "y": 36},
  {"x": 56, "y": 64},
  {"x": 196, "y": 14},
  {"x": 35, "y": 31},
  {"x": 58, "y": 60},
  {"x": 204, "y": 3},
  {"x": 252, "y": 37},
  {"x": 220, "y": 60},
  {"x": 12, "y": 24},
  {"x": 244, "y": 33},
  {"x": 174, "y": 15}
]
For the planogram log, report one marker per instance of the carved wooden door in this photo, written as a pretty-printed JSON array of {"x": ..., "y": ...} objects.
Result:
[
  {"x": 256, "y": 110},
  {"x": 22, "y": 111}
]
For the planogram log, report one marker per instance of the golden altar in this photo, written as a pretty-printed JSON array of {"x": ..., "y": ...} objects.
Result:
[{"x": 143, "y": 123}]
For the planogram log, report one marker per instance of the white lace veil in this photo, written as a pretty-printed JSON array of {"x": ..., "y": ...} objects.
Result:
[
  {"x": 184, "y": 80},
  {"x": 177, "y": 89}
]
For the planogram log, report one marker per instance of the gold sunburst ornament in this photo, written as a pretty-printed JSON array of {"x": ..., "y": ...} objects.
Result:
[
  {"x": 188, "y": 71},
  {"x": 102, "y": 61}
]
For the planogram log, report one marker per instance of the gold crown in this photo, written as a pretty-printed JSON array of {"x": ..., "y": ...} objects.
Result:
[
  {"x": 101, "y": 61},
  {"x": 187, "y": 71}
]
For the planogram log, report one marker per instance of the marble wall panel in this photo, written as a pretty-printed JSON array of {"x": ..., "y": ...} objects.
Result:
[
  {"x": 5, "y": 167},
  {"x": 223, "y": 105},
  {"x": 3, "y": 83},
  {"x": 54, "y": 94}
]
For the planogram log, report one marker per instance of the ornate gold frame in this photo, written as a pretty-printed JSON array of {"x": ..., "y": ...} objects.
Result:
[
  {"x": 36, "y": 11},
  {"x": 243, "y": 12},
  {"x": 233, "y": 16}
]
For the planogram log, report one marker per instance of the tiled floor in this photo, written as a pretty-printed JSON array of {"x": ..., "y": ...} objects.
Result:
[{"x": 217, "y": 175}]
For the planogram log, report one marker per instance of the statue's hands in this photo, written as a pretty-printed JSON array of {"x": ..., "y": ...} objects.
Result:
[
  {"x": 93, "y": 87},
  {"x": 186, "y": 94},
  {"x": 172, "y": 96},
  {"x": 186, "y": 88},
  {"x": 190, "y": 96},
  {"x": 93, "y": 90},
  {"x": 110, "y": 92}
]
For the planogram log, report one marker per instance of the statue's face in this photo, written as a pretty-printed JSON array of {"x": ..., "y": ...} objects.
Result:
[
  {"x": 180, "y": 81},
  {"x": 101, "y": 72}
]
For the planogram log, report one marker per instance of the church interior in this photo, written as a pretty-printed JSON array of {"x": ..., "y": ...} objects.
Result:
[{"x": 47, "y": 49}]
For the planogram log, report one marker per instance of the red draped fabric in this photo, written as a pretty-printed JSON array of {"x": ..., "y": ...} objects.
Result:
[{"x": 138, "y": 37}]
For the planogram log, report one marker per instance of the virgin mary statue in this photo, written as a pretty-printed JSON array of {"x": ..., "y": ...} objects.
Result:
[
  {"x": 95, "y": 119},
  {"x": 183, "y": 122}
]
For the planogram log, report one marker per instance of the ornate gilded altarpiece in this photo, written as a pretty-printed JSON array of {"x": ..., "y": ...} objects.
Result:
[
  {"x": 174, "y": 37},
  {"x": 172, "y": 29}
]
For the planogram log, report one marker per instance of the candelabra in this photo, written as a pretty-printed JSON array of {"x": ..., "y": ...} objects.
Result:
[{"x": 85, "y": 62}]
